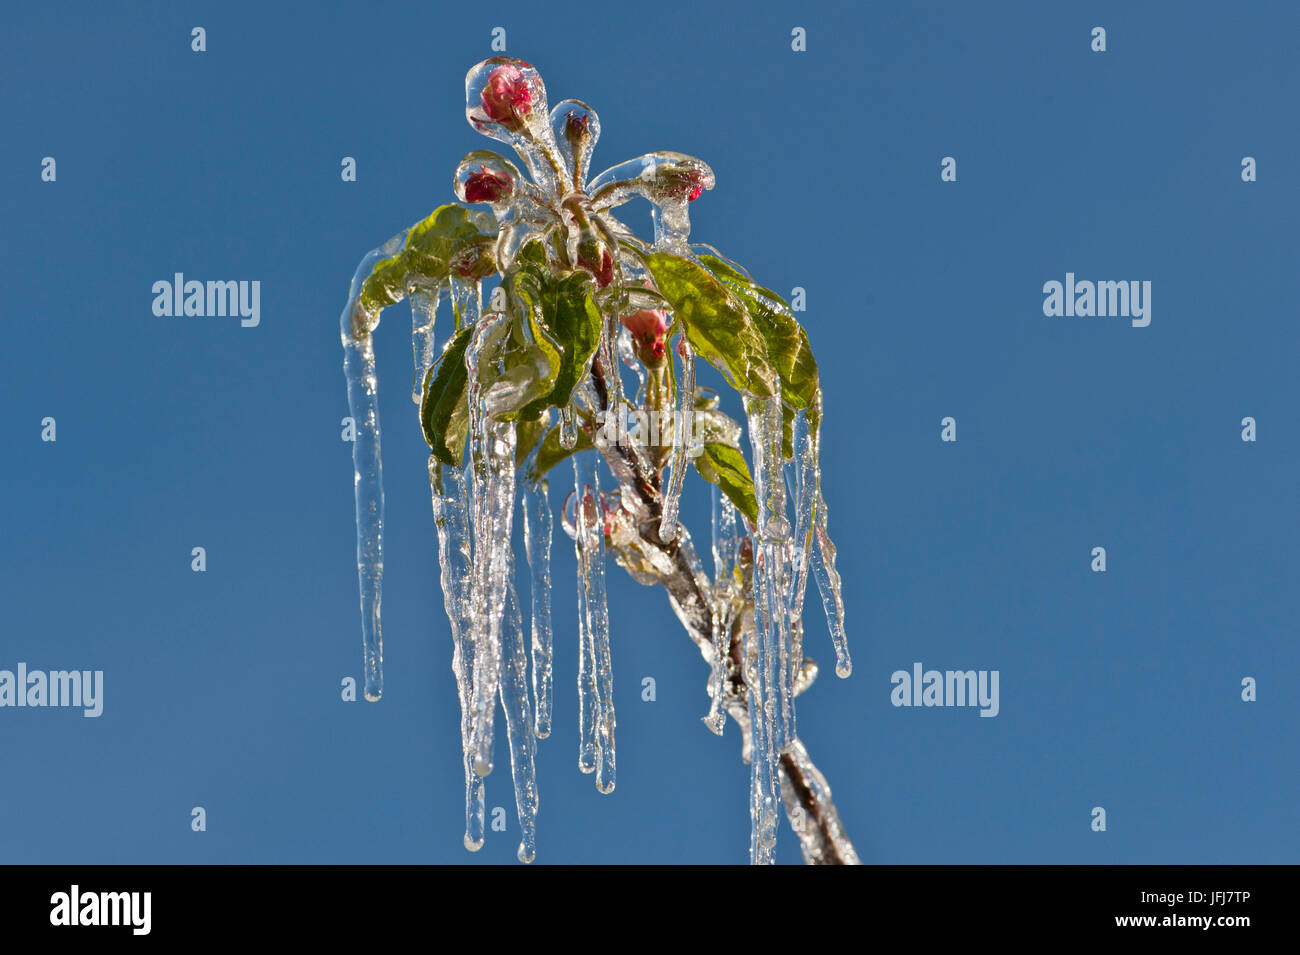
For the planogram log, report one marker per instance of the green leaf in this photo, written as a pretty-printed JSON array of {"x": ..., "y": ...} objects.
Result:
[
  {"x": 527, "y": 436},
  {"x": 716, "y": 428},
  {"x": 716, "y": 322},
  {"x": 429, "y": 249},
  {"x": 431, "y": 243},
  {"x": 566, "y": 323},
  {"x": 444, "y": 409},
  {"x": 386, "y": 284},
  {"x": 725, "y": 466},
  {"x": 787, "y": 343},
  {"x": 550, "y": 452},
  {"x": 517, "y": 367}
]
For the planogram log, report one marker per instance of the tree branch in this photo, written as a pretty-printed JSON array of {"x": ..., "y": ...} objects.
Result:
[{"x": 804, "y": 791}]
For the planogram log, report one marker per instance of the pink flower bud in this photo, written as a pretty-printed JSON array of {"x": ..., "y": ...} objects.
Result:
[
  {"x": 682, "y": 181},
  {"x": 649, "y": 329},
  {"x": 577, "y": 126},
  {"x": 595, "y": 258},
  {"x": 506, "y": 97},
  {"x": 475, "y": 261},
  {"x": 488, "y": 186}
]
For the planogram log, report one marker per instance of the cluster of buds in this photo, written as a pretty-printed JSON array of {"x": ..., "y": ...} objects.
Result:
[{"x": 506, "y": 100}]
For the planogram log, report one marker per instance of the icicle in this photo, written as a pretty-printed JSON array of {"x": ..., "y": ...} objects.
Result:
[
  {"x": 805, "y": 478},
  {"x": 450, "y": 515},
  {"x": 538, "y": 528},
  {"x": 764, "y": 760},
  {"x": 568, "y": 428},
  {"x": 822, "y": 843},
  {"x": 519, "y": 726},
  {"x": 492, "y": 456},
  {"x": 609, "y": 347},
  {"x": 724, "y": 562},
  {"x": 424, "y": 310},
  {"x": 725, "y": 537},
  {"x": 682, "y": 433},
  {"x": 357, "y": 327},
  {"x": 772, "y": 572},
  {"x": 828, "y": 582},
  {"x": 628, "y": 356},
  {"x": 466, "y": 300},
  {"x": 589, "y": 544},
  {"x": 588, "y": 708}
]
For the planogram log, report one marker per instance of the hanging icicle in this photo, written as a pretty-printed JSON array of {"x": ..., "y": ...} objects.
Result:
[
  {"x": 492, "y": 454},
  {"x": 537, "y": 545},
  {"x": 450, "y": 514},
  {"x": 596, "y": 670},
  {"x": 683, "y": 427},
  {"x": 519, "y": 725}
]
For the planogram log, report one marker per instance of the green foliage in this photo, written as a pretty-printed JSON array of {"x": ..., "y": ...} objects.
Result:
[
  {"x": 444, "y": 410},
  {"x": 717, "y": 325},
  {"x": 787, "y": 343},
  {"x": 725, "y": 466},
  {"x": 431, "y": 245}
]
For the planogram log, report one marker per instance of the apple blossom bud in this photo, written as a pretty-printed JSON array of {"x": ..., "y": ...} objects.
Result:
[
  {"x": 594, "y": 256},
  {"x": 475, "y": 261},
  {"x": 649, "y": 330},
  {"x": 488, "y": 185},
  {"x": 506, "y": 97}
]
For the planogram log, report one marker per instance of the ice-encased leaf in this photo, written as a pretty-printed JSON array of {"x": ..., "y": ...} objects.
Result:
[
  {"x": 725, "y": 466},
  {"x": 426, "y": 254},
  {"x": 570, "y": 320},
  {"x": 788, "y": 348},
  {"x": 551, "y": 451},
  {"x": 717, "y": 324},
  {"x": 444, "y": 411}
]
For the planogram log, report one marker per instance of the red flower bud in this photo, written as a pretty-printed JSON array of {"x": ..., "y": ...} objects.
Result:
[
  {"x": 488, "y": 186},
  {"x": 506, "y": 97},
  {"x": 682, "y": 182},
  {"x": 649, "y": 328},
  {"x": 577, "y": 126},
  {"x": 595, "y": 258}
]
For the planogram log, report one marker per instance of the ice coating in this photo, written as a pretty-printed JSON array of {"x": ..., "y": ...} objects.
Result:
[
  {"x": 492, "y": 452},
  {"x": 538, "y": 529},
  {"x": 575, "y": 127},
  {"x": 669, "y": 181},
  {"x": 820, "y": 840},
  {"x": 519, "y": 725},
  {"x": 514, "y": 111},
  {"x": 832, "y": 590},
  {"x": 725, "y": 545},
  {"x": 595, "y": 664},
  {"x": 682, "y": 431},
  {"x": 746, "y": 617},
  {"x": 356, "y": 329},
  {"x": 450, "y": 514},
  {"x": 424, "y": 310}
]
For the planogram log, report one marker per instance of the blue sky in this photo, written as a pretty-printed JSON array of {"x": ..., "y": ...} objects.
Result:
[{"x": 1119, "y": 690}]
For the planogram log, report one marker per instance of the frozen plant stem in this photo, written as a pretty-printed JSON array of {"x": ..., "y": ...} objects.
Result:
[{"x": 530, "y": 375}]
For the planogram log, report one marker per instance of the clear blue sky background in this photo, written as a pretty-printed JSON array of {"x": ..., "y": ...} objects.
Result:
[{"x": 1119, "y": 690}]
